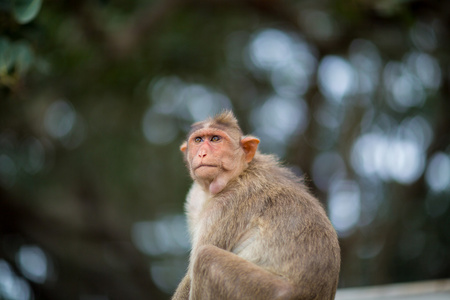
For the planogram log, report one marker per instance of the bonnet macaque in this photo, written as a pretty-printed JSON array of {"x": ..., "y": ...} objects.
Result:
[{"x": 256, "y": 231}]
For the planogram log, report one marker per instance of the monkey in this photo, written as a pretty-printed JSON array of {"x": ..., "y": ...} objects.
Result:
[{"x": 256, "y": 230}]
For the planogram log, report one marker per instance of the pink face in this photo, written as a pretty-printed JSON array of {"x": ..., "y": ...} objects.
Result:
[{"x": 211, "y": 151}]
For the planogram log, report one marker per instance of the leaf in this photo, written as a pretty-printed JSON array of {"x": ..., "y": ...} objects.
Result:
[
  {"x": 6, "y": 57},
  {"x": 24, "y": 57},
  {"x": 26, "y": 10}
]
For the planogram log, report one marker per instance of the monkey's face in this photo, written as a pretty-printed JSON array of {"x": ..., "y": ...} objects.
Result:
[
  {"x": 215, "y": 153},
  {"x": 212, "y": 151}
]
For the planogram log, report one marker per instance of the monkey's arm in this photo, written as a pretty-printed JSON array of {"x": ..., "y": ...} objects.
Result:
[
  {"x": 183, "y": 288},
  {"x": 220, "y": 274}
]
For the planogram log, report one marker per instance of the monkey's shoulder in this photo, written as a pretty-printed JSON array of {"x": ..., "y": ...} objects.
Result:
[
  {"x": 268, "y": 178},
  {"x": 267, "y": 169},
  {"x": 277, "y": 192}
]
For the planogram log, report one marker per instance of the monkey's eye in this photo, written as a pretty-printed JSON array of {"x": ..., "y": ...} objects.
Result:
[
  {"x": 198, "y": 139},
  {"x": 215, "y": 138}
]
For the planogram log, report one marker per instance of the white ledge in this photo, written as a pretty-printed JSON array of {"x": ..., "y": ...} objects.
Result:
[{"x": 424, "y": 290}]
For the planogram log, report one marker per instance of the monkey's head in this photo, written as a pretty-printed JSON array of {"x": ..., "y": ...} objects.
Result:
[{"x": 216, "y": 151}]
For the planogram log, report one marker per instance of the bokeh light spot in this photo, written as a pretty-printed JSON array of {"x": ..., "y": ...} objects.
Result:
[
  {"x": 438, "y": 172},
  {"x": 60, "y": 118},
  {"x": 158, "y": 129},
  {"x": 33, "y": 263},
  {"x": 344, "y": 204},
  {"x": 11, "y": 285},
  {"x": 166, "y": 235},
  {"x": 388, "y": 157},
  {"x": 277, "y": 120},
  {"x": 270, "y": 48},
  {"x": 8, "y": 171},
  {"x": 336, "y": 77},
  {"x": 34, "y": 155},
  {"x": 327, "y": 167},
  {"x": 202, "y": 102}
]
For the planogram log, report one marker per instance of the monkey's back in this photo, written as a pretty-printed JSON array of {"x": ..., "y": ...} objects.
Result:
[{"x": 281, "y": 227}]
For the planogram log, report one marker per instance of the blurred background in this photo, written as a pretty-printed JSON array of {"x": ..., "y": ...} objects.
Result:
[{"x": 96, "y": 96}]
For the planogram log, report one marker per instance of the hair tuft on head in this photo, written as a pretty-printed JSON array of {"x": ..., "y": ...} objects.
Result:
[
  {"x": 223, "y": 121},
  {"x": 226, "y": 117}
]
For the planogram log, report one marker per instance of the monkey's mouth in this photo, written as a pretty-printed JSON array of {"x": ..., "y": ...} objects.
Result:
[{"x": 206, "y": 165}]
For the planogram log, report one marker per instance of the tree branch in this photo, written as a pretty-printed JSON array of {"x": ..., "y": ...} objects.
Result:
[{"x": 119, "y": 45}]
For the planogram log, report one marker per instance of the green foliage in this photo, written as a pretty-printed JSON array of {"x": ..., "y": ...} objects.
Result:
[
  {"x": 16, "y": 58},
  {"x": 25, "y": 10},
  {"x": 6, "y": 55}
]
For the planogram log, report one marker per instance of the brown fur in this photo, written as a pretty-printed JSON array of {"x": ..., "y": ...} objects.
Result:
[{"x": 264, "y": 236}]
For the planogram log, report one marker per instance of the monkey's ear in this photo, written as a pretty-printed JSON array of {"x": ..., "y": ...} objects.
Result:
[
  {"x": 183, "y": 147},
  {"x": 249, "y": 144}
]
